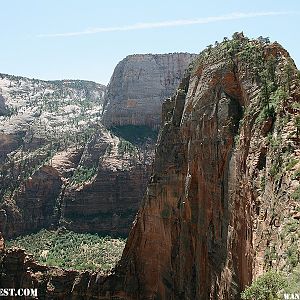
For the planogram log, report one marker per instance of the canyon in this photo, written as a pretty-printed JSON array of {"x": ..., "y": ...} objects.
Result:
[
  {"x": 60, "y": 166},
  {"x": 222, "y": 203}
]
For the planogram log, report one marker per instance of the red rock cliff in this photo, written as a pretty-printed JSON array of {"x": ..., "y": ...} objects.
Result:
[
  {"x": 217, "y": 204},
  {"x": 223, "y": 189}
]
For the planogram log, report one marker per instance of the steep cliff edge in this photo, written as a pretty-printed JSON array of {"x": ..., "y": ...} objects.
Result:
[
  {"x": 222, "y": 205},
  {"x": 139, "y": 85},
  {"x": 225, "y": 185}
]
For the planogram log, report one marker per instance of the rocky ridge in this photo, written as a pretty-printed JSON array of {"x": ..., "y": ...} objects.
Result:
[
  {"x": 49, "y": 108},
  {"x": 223, "y": 191}
]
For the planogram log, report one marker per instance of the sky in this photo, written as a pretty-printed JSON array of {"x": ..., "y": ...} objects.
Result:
[{"x": 85, "y": 39}]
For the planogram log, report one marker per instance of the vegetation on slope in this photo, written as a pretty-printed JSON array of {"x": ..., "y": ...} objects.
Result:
[
  {"x": 272, "y": 286},
  {"x": 44, "y": 117},
  {"x": 70, "y": 250},
  {"x": 83, "y": 174}
]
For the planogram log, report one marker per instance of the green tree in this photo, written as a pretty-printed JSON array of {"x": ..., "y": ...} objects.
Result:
[{"x": 266, "y": 287}]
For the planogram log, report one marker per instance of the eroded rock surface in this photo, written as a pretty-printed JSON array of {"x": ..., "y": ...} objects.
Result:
[
  {"x": 107, "y": 203},
  {"x": 58, "y": 123},
  {"x": 139, "y": 85},
  {"x": 224, "y": 191},
  {"x": 219, "y": 198},
  {"x": 33, "y": 206}
]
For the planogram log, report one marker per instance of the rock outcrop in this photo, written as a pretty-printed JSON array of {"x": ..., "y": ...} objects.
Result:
[
  {"x": 108, "y": 202},
  {"x": 139, "y": 85},
  {"x": 222, "y": 187},
  {"x": 221, "y": 206},
  {"x": 33, "y": 206}
]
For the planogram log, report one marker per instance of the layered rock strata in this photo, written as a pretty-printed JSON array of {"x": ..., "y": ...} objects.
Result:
[
  {"x": 56, "y": 123},
  {"x": 139, "y": 85},
  {"x": 107, "y": 203},
  {"x": 96, "y": 188}
]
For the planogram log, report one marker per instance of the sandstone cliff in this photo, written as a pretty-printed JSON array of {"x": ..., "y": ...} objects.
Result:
[
  {"x": 224, "y": 192},
  {"x": 139, "y": 85},
  {"x": 96, "y": 187},
  {"x": 222, "y": 204},
  {"x": 58, "y": 124},
  {"x": 107, "y": 202}
]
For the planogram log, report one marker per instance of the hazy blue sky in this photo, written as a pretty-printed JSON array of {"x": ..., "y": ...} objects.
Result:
[{"x": 85, "y": 39}]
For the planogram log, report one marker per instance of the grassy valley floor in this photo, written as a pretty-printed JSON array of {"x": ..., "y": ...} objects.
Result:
[{"x": 70, "y": 250}]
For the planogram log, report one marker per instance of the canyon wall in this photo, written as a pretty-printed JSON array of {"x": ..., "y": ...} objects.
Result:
[
  {"x": 93, "y": 188},
  {"x": 108, "y": 202},
  {"x": 57, "y": 124},
  {"x": 223, "y": 193},
  {"x": 139, "y": 85},
  {"x": 132, "y": 102},
  {"x": 42, "y": 119},
  {"x": 222, "y": 204}
]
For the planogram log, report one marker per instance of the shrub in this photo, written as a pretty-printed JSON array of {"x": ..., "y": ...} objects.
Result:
[
  {"x": 291, "y": 164},
  {"x": 296, "y": 194},
  {"x": 293, "y": 281},
  {"x": 296, "y": 175},
  {"x": 126, "y": 147},
  {"x": 297, "y": 124},
  {"x": 83, "y": 174},
  {"x": 266, "y": 113},
  {"x": 266, "y": 287}
]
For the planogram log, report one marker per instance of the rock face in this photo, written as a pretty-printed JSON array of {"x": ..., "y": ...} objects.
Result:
[
  {"x": 108, "y": 202},
  {"x": 44, "y": 118},
  {"x": 216, "y": 203},
  {"x": 139, "y": 85},
  {"x": 33, "y": 206},
  {"x": 95, "y": 188},
  {"x": 9, "y": 143},
  {"x": 223, "y": 200},
  {"x": 56, "y": 124}
]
